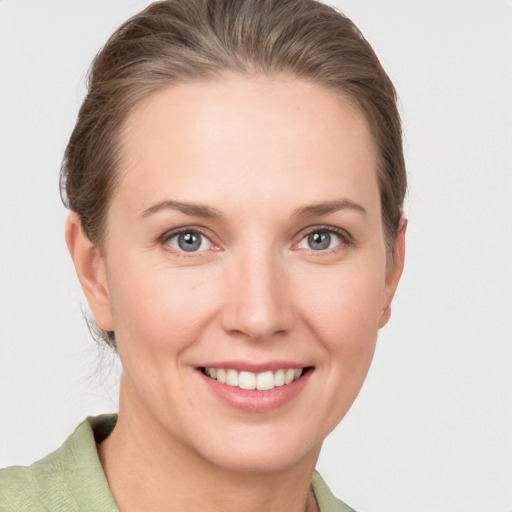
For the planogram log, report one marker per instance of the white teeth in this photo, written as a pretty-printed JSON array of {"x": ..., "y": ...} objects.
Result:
[
  {"x": 221, "y": 375},
  {"x": 232, "y": 378},
  {"x": 248, "y": 380},
  {"x": 288, "y": 376},
  {"x": 265, "y": 381},
  {"x": 279, "y": 378}
]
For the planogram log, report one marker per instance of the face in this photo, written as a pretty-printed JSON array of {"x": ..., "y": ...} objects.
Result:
[{"x": 244, "y": 267}]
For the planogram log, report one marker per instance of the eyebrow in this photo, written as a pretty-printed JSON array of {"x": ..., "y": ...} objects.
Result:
[
  {"x": 207, "y": 212},
  {"x": 327, "y": 207},
  {"x": 192, "y": 209}
]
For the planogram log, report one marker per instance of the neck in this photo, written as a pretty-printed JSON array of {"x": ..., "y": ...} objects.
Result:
[{"x": 158, "y": 472}]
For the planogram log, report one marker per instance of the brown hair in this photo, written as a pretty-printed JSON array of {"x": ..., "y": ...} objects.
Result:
[{"x": 176, "y": 41}]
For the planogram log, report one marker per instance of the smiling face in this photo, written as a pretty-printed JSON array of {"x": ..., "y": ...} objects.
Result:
[{"x": 244, "y": 249}]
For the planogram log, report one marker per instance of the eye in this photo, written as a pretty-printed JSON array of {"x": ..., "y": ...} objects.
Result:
[
  {"x": 321, "y": 240},
  {"x": 189, "y": 241}
]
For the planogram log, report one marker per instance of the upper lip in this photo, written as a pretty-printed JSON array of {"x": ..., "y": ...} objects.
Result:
[{"x": 255, "y": 367}]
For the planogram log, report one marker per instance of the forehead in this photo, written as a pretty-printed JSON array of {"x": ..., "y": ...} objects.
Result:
[{"x": 259, "y": 134}]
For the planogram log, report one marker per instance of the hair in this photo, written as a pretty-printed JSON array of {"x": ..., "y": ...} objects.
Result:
[{"x": 179, "y": 41}]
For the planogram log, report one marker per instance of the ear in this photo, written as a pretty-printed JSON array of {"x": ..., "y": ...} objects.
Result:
[
  {"x": 394, "y": 273},
  {"x": 90, "y": 269}
]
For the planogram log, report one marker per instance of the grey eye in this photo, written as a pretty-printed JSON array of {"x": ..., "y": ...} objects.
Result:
[
  {"x": 320, "y": 240},
  {"x": 189, "y": 241}
]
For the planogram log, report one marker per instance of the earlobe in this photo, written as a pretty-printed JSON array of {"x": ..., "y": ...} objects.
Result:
[
  {"x": 90, "y": 270},
  {"x": 394, "y": 273}
]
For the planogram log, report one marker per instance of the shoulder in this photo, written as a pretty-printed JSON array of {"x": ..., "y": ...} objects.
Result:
[
  {"x": 17, "y": 490},
  {"x": 36, "y": 487},
  {"x": 71, "y": 478},
  {"x": 325, "y": 499}
]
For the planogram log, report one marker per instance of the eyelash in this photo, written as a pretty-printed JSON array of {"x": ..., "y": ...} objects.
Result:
[
  {"x": 345, "y": 238},
  {"x": 169, "y": 235}
]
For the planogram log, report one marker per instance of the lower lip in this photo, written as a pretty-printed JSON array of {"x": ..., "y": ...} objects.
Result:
[{"x": 254, "y": 400}]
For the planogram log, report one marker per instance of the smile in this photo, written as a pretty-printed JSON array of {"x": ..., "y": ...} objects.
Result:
[{"x": 246, "y": 380}]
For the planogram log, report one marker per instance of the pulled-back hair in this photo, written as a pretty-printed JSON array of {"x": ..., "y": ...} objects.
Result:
[{"x": 177, "y": 41}]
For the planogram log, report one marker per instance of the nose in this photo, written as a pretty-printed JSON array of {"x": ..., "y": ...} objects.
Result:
[{"x": 258, "y": 301}]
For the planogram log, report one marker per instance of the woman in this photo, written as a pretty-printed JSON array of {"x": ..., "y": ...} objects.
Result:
[{"x": 236, "y": 181}]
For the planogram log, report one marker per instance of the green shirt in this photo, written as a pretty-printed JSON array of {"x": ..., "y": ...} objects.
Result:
[{"x": 72, "y": 478}]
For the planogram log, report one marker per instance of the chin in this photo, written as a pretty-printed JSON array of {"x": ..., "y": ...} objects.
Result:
[{"x": 262, "y": 452}]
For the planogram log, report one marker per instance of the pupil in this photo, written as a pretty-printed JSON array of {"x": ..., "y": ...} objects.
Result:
[
  {"x": 319, "y": 240},
  {"x": 189, "y": 241}
]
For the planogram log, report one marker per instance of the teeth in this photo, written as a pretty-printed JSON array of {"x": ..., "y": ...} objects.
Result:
[
  {"x": 232, "y": 378},
  {"x": 246, "y": 380},
  {"x": 249, "y": 380},
  {"x": 265, "y": 381},
  {"x": 279, "y": 378},
  {"x": 221, "y": 375},
  {"x": 289, "y": 376}
]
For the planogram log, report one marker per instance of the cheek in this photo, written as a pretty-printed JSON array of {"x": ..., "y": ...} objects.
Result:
[
  {"x": 343, "y": 305},
  {"x": 160, "y": 309}
]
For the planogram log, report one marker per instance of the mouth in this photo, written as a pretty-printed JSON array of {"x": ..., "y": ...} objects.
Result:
[{"x": 263, "y": 381}]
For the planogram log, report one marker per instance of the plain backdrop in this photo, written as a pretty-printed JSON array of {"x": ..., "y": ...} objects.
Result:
[{"x": 432, "y": 428}]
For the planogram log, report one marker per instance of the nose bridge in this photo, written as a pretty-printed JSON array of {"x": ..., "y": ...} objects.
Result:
[{"x": 258, "y": 300}]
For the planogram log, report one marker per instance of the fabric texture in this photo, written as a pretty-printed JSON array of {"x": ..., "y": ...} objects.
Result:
[{"x": 72, "y": 479}]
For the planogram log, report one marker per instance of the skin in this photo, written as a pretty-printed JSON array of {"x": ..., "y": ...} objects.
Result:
[{"x": 258, "y": 152}]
